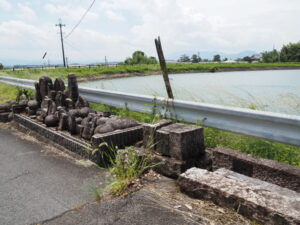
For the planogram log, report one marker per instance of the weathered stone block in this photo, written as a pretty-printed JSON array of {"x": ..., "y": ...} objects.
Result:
[
  {"x": 73, "y": 88},
  {"x": 167, "y": 166},
  {"x": 59, "y": 84},
  {"x": 120, "y": 138},
  {"x": 67, "y": 141},
  {"x": 185, "y": 142},
  {"x": 162, "y": 142},
  {"x": 260, "y": 201},
  {"x": 18, "y": 108},
  {"x": 149, "y": 132},
  {"x": 268, "y": 170},
  {"x": 4, "y": 117}
]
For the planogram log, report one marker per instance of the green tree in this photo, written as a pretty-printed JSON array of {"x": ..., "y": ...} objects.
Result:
[
  {"x": 290, "y": 53},
  {"x": 184, "y": 58},
  {"x": 217, "y": 58},
  {"x": 1, "y": 66},
  {"x": 247, "y": 59},
  {"x": 195, "y": 58},
  {"x": 271, "y": 56},
  {"x": 139, "y": 57}
]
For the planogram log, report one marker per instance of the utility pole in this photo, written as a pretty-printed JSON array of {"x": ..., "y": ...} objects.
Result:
[
  {"x": 105, "y": 60},
  {"x": 60, "y": 25}
]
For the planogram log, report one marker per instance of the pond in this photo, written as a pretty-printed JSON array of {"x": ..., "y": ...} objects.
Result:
[{"x": 272, "y": 90}]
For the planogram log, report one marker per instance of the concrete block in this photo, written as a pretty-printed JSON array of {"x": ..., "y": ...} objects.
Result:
[
  {"x": 162, "y": 144},
  {"x": 120, "y": 138},
  {"x": 185, "y": 141},
  {"x": 4, "y": 117},
  {"x": 149, "y": 132},
  {"x": 257, "y": 200},
  {"x": 61, "y": 138},
  {"x": 167, "y": 166},
  {"x": 267, "y": 170}
]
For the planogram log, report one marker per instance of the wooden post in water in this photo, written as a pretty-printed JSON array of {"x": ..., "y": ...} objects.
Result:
[{"x": 163, "y": 67}]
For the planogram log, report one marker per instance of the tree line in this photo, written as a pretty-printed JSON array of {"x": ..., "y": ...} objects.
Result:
[
  {"x": 139, "y": 57},
  {"x": 196, "y": 58},
  {"x": 288, "y": 53}
]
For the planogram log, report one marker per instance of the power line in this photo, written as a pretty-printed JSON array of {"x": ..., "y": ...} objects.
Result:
[{"x": 83, "y": 16}]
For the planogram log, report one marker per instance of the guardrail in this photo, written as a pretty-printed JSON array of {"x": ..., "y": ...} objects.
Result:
[{"x": 272, "y": 126}]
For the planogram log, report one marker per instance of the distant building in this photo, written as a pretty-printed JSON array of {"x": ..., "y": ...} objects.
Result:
[
  {"x": 256, "y": 57},
  {"x": 171, "y": 61},
  {"x": 229, "y": 61}
]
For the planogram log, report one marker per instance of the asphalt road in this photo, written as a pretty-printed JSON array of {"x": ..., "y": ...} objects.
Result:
[{"x": 37, "y": 183}]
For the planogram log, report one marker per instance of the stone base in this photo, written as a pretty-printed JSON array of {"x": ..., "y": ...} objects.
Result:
[
  {"x": 70, "y": 143},
  {"x": 267, "y": 170},
  {"x": 120, "y": 138},
  {"x": 4, "y": 117},
  {"x": 180, "y": 141},
  {"x": 149, "y": 131},
  {"x": 173, "y": 168},
  {"x": 257, "y": 200}
]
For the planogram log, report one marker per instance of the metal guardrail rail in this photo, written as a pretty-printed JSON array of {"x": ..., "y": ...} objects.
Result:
[{"x": 272, "y": 126}]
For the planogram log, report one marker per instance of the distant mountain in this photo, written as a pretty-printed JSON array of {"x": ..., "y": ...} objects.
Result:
[{"x": 209, "y": 55}]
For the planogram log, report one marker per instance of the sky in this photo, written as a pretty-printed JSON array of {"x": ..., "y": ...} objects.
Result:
[{"x": 117, "y": 28}]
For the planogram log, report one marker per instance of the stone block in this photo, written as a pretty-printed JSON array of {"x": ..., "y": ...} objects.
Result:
[
  {"x": 267, "y": 170},
  {"x": 67, "y": 141},
  {"x": 120, "y": 138},
  {"x": 149, "y": 132},
  {"x": 4, "y": 117},
  {"x": 162, "y": 142},
  {"x": 185, "y": 141},
  {"x": 167, "y": 166},
  {"x": 257, "y": 200}
]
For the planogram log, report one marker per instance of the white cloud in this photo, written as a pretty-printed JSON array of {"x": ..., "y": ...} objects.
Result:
[
  {"x": 69, "y": 12},
  {"x": 26, "y": 13},
  {"x": 184, "y": 25},
  {"x": 4, "y": 4},
  {"x": 114, "y": 16}
]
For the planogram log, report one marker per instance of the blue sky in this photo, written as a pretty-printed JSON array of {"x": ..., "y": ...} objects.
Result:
[{"x": 116, "y": 28}]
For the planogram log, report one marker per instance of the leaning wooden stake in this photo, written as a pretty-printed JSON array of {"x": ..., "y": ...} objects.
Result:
[{"x": 163, "y": 67}]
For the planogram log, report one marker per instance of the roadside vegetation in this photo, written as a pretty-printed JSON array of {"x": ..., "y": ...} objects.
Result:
[
  {"x": 126, "y": 167},
  {"x": 144, "y": 69},
  {"x": 218, "y": 138},
  {"x": 7, "y": 92}
]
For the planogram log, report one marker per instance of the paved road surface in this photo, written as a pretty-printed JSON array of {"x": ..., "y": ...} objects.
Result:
[{"x": 37, "y": 184}]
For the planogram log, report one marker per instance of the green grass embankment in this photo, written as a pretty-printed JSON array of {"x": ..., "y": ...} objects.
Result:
[{"x": 142, "y": 69}]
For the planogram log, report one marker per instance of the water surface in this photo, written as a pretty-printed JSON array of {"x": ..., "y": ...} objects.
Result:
[{"x": 275, "y": 90}]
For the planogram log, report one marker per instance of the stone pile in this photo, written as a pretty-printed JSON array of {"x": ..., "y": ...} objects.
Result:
[
  {"x": 67, "y": 110},
  {"x": 63, "y": 108}
]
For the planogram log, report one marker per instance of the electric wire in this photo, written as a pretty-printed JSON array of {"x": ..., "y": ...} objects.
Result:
[{"x": 81, "y": 19}]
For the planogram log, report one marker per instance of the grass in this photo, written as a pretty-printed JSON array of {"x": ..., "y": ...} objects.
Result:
[
  {"x": 7, "y": 92},
  {"x": 254, "y": 146},
  {"x": 144, "y": 69},
  {"x": 213, "y": 137},
  {"x": 125, "y": 167}
]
